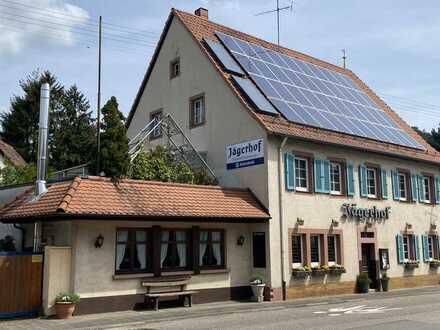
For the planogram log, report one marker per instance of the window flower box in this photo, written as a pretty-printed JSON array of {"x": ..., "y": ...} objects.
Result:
[
  {"x": 336, "y": 269},
  {"x": 411, "y": 264},
  {"x": 434, "y": 263},
  {"x": 301, "y": 272},
  {"x": 319, "y": 270}
]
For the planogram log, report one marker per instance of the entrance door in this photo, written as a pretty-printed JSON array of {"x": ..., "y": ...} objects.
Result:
[{"x": 369, "y": 263}]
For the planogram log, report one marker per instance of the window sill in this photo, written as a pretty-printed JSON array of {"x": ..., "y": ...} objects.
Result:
[
  {"x": 178, "y": 272},
  {"x": 215, "y": 271},
  {"x": 130, "y": 276}
]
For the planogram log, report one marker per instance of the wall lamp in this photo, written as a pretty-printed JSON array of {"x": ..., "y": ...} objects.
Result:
[
  {"x": 99, "y": 241},
  {"x": 299, "y": 221},
  {"x": 433, "y": 226},
  {"x": 240, "y": 240},
  {"x": 408, "y": 226},
  {"x": 335, "y": 223}
]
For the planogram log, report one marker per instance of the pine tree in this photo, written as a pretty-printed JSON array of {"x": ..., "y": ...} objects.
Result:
[{"x": 114, "y": 141}]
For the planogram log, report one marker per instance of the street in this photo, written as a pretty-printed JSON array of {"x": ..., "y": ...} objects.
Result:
[{"x": 401, "y": 309}]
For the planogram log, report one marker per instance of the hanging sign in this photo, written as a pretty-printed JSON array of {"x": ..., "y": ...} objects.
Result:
[
  {"x": 365, "y": 214},
  {"x": 245, "y": 154}
]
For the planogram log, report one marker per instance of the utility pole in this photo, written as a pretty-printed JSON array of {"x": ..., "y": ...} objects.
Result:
[
  {"x": 98, "y": 124},
  {"x": 344, "y": 59}
]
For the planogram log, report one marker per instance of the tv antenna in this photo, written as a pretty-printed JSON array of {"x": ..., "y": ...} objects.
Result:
[
  {"x": 344, "y": 59},
  {"x": 277, "y": 10}
]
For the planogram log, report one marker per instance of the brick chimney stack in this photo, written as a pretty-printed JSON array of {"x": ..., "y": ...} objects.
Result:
[{"x": 202, "y": 12}]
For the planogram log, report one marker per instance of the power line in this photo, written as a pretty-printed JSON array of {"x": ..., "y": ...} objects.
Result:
[{"x": 407, "y": 100}]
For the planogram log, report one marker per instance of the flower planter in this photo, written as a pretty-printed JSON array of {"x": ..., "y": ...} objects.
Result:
[
  {"x": 300, "y": 273},
  {"x": 336, "y": 271},
  {"x": 411, "y": 266},
  {"x": 258, "y": 292},
  {"x": 385, "y": 284},
  {"x": 434, "y": 264},
  {"x": 64, "y": 310},
  {"x": 318, "y": 272}
]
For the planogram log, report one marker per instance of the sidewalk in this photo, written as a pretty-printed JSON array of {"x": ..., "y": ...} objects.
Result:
[{"x": 138, "y": 319}]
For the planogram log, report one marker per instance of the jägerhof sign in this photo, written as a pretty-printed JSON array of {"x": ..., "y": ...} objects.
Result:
[
  {"x": 351, "y": 211},
  {"x": 244, "y": 154}
]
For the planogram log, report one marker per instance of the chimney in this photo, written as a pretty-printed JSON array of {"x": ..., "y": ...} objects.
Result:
[
  {"x": 202, "y": 12},
  {"x": 40, "y": 185}
]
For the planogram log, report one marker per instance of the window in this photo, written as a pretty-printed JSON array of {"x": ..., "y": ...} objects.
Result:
[
  {"x": 211, "y": 249},
  {"x": 332, "y": 249},
  {"x": 301, "y": 174},
  {"x": 403, "y": 184},
  {"x": 406, "y": 242},
  {"x": 132, "y": 251},
  {"x": 431, "y": 249},
  {"x": 335, "y": 179},
  {"x": 315, "y": 250},
  {"x": 297, "y": 251},
  {"x": 197, "y": 111},
  {"x": 157, "y": 132},
  {"x": 259, "y": 249},
  {"x": 174, "y": 249},
  {"x": 426, "y": 191},
  {"x": 371, "y": 182},
  {"x": 174, "y": 68}
]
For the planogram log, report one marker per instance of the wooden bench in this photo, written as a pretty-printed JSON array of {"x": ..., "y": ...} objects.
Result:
[{"x": 175, "y": 287}]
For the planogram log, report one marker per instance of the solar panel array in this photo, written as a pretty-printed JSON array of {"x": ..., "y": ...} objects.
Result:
[
  {"x": 316, "y": 96},
  {"x": 223, "y": 56}
]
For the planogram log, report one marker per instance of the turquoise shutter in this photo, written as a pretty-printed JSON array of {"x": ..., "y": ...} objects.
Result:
[
  {"x": 384, "y": 182},
  {"x": 421, "y": 189},
  {"x": 317, "y": 174},
  {"x": 399, "y": 244},
  {"x": 425, "y": 248},
  {"x": 438, "y": 243},
  {"x": 414, "y": 189},
  {"x": 437, "y": 189},
  {"x": 325, "y": 176},
  {"x": 396, "y": 190},
  {"x": 363, "y": 180},
  {"x": 350, "y": 180},
  {"x": 416, "y": 247},
  {"x": 289, "y": 171}
]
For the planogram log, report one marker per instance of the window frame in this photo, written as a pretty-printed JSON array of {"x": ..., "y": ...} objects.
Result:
[
  {"x": 302, "y": 255},
  {"x": 210, "y": 241},
  {"x": 319, "y": 262},
  {"x": 153, "y": 115},
  {"x": 189, "y": 252},
  {"x": 405, "y": 186},
  {"x": 375, "y": 177},
  {"x": 132, "y": 245},
  {"x": 430, "y": 188},
  {"x": 307, "y": 188},
  {"x": 335, "y": 238},
  {"x": 192, "y": 115},
  {"x": 173, "y": 63},
  {"x": 341, "y": 181}
]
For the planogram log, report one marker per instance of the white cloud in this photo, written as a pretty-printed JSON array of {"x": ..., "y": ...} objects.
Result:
[{"x": 44, "y": 21}]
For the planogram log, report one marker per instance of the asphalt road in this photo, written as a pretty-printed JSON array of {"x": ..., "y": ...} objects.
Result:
[{"x": 403, "y": 309}]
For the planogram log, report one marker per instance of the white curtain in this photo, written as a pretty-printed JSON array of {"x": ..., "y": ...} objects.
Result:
[
  {"x": 203, "y": 246},
  {"x": 141, "y": 254},
  {"x": 120, "y": 248},
  {"x": 181, "y": 247},
  {"x": 216, "y": 252},
  {"x": 164, "y": 246}
]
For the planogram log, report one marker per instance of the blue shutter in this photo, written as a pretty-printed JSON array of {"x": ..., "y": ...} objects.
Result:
[
  {"x": 414, "y": 189},
  {"x": 396, "y": 190},
  {"x": 350, "y": 180},
  {"x": 437, "y": 189},
  {"x": 399, "y": 244},
  {"x": 384, "y": 182},
  {"x": 421, "y": 189},
  {"x": 363, "y": 180},
  {"x": 425, "y": 248},
  {"x": 325, "y": 175},
  {"x": 416, "y": 247},
  {"x": 317, "y": 174},
  {"x": 289, "y": 171}
]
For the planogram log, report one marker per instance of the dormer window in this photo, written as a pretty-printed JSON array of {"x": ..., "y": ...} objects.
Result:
[{"x": 175, "y": 68}]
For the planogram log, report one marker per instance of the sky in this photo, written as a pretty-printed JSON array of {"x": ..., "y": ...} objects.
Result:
[{"x": 393, "y": 45}]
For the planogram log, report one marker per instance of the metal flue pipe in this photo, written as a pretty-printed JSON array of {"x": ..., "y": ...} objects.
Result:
[{"x": 40, "y": 187}]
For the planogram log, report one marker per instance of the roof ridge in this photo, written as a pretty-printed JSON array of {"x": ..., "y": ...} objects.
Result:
[
  {"x": 64, "y": 204},
  {"x": 7, "y": 205}
]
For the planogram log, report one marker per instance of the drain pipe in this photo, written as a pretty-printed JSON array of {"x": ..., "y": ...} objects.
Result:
[{"x": 280, "y": 206}]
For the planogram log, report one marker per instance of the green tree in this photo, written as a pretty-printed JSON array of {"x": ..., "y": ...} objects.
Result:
[
  {"x": 11, "y": 175},
  {"x": 433, "y": 137},
  {"x": 114, "y": 141}
]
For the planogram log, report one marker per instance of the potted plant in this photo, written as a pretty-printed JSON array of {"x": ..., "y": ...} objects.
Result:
[
  {"x": 336, "y": 269},
  {"x": 385, "y": 280},
  {"x": 65, "y": 305},
  {"x": 411, "y": 264},
  {"x": 319, "y": 270},
  {"x": 301, "y": 272},
  {"x": 434, "y": 263},
  {"x": 257, "y": 285},
  {"x": 363, "y": 282}
]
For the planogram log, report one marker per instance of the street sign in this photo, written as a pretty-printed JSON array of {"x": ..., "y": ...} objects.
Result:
[{"x": 245, "y": 154}]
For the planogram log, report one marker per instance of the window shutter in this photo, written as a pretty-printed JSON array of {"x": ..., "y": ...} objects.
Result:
[
  {"x": 425, "y": 248},
  {"x": 400, "y": 255},
  {"x": 289, "y": 171},
  {"x": 420, "y": 186},
  {"x": 416, "y": 247},
  {"x": 318, "y": 169},
  {"x": 384, "y": 182},
  {"x": 363, "y": 180},
  {"x": 395, "y": 180},
  {"x": 414, "y": 189},
  {"x": 326, "y": 176},
  {"x": 437, "y": 189},
  {"x": 350, "y": 180}
]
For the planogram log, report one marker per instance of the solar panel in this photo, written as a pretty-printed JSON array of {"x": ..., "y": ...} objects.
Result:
[
  {"x": 224, "y": 58},
  {"x": 254, "y": 95},
  {"x": 316, "y": 96}
]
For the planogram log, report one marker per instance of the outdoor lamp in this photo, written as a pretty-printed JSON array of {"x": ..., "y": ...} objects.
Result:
[
  {"x": 299, "y": 221},
  {"x": 408, "y": 226},
  {"x": 99, "y": 241},
  {"x": 433, "y": 226},
  {"x": 240, "y": 240},
  {"x": 335, "y": 223}
]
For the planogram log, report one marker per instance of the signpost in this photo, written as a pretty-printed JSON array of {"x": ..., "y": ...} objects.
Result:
[{"x": 245, "y": 154}]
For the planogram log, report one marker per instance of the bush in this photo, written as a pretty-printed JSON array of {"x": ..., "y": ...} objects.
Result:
[
  {"x": 257, "y": 280},
  {"x": 7, "y": 244},
  {"x": 67, "y": 298}
]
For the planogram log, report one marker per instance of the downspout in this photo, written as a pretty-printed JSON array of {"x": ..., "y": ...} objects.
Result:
[{"x": 280, "y": 206}]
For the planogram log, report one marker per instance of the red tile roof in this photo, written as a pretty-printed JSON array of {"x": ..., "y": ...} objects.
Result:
[
  {"x": 202, "y": 28},
  {"x": 96, "y": 197},
  {"x": 11, "y": 154}
]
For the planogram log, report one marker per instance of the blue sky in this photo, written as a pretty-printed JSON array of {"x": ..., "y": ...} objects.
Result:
[{"x": 392, "y": 45}]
